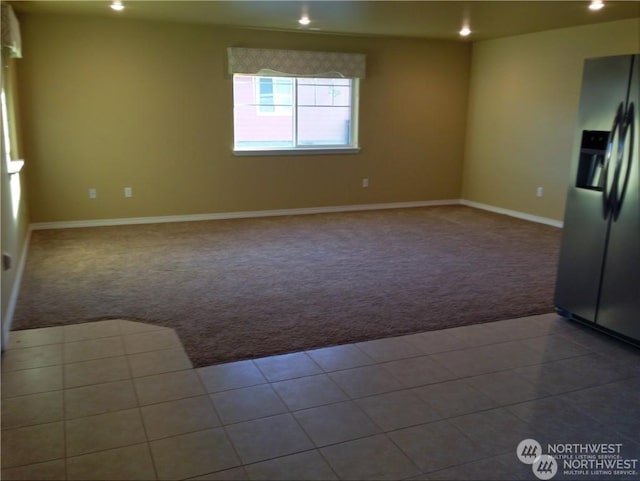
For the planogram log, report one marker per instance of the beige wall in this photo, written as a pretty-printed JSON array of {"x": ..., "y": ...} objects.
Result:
[
  {"x": 110, "y": 103},
  {"x": 523, "y": 104}
]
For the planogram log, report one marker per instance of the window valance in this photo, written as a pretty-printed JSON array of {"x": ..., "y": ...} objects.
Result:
[
  {"x": 10, "y": 31},
  {"x": 295, "y": 63}
]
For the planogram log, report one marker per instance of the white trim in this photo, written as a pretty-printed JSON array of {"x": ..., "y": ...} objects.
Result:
[
  {"x": 297, "y": 151},
  {"x": 283, "y": 212},
  {"x": 514, "y": 213},
  {"x": 238, "y": 215},
  {"x": 7, "y": 320}
]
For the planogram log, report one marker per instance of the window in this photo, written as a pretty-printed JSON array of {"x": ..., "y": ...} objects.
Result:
[
  {"x": 10, "y": 162},
  {"x": 293, "y": 114},
  {"x": 11, "y": 45},
  {"x": 7, "y": 114}
]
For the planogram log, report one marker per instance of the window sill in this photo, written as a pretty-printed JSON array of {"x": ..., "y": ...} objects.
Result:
[
  {"x": 15, "y": 166},
  {"x": 310, "y": 151}
]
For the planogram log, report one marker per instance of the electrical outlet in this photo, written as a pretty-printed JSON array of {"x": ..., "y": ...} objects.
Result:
[
  {"x": 93, "y": 193},
  {"x": 128, "y": 192},
  {"x": 365, "y": 182},
  {"x": 539, "y": 191}
]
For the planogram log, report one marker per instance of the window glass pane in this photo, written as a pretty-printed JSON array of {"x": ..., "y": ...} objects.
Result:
[
  {"x": 8, "y": 92},
  {"x": 265, "y": 95},
  {"x": 6, "y": 132},
  {"x": 258, "y": 131},
  {"x": 275, "y": 95},
  {"x": 283, "y": 87},
  {"x": 324, "y": 95},
  {"x": 284, "y": 112},
  {"x": 341, "y": 95},
  {"x": 309, "y": 95},
  {"x": 242, "y": 90},
  {"x": 324, "y": 125},
  {"x": 330, "y": 95},
  {"x": 306, "y": 94},
  {"x": 324, "y": 81}
]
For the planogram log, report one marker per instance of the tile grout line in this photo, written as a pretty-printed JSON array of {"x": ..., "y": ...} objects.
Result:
[
  {"x": 297, "y": 421},
  {"x": 222, "y": 426},
  {"x": 64, "y": 408},
  {"x": 138, "y": 407}
]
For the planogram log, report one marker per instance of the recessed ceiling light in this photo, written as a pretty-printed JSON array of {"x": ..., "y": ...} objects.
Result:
[
  {"x": 596, "y": 5},
  {"x": 304, "y": 20},
  {"x": 465, "y": 31},
  {"x": 117, "y": 6}
]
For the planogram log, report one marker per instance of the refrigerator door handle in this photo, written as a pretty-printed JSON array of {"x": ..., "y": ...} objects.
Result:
[
  {"x": 607, "y": 194},
  {"x": 627, "y": 128}
]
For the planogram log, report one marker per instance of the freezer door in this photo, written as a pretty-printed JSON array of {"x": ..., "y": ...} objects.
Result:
[
  {"x": 585, "y": 231},
  {"x": 620, "y": 294}
]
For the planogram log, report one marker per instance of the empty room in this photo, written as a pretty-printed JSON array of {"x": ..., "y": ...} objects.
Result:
[{"x": 320, "y": 240}]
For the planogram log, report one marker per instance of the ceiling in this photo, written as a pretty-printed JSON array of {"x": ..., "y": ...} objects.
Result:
[{"x": 423, "y": 19}]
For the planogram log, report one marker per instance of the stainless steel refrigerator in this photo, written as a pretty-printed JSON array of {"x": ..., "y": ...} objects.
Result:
[{"x": 598, "y": 278}]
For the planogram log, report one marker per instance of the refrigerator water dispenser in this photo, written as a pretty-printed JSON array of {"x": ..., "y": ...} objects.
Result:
[{"x": 593, "y": 150}]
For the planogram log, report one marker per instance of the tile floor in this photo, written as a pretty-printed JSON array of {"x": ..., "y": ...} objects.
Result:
[{"x": 120, "y": 400}]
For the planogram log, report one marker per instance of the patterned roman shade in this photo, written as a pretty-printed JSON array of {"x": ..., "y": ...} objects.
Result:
[
  {"x": 296, "y": 63},
  {"x": 10, "y": 31}
]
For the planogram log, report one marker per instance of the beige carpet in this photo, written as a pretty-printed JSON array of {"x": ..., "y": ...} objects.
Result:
[{"x": 238, "y": 289}]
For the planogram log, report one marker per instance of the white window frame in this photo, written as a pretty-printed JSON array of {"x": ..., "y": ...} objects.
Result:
[{"x": 352, "y": 148}]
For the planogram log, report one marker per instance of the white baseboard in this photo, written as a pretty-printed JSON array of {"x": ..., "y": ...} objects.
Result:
[
  {"x": 239, "y": 215},
  {"x": 283, "y": 212},
  {"x": 7, "y": 320},
  {"x": 514, "y": 213}
]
